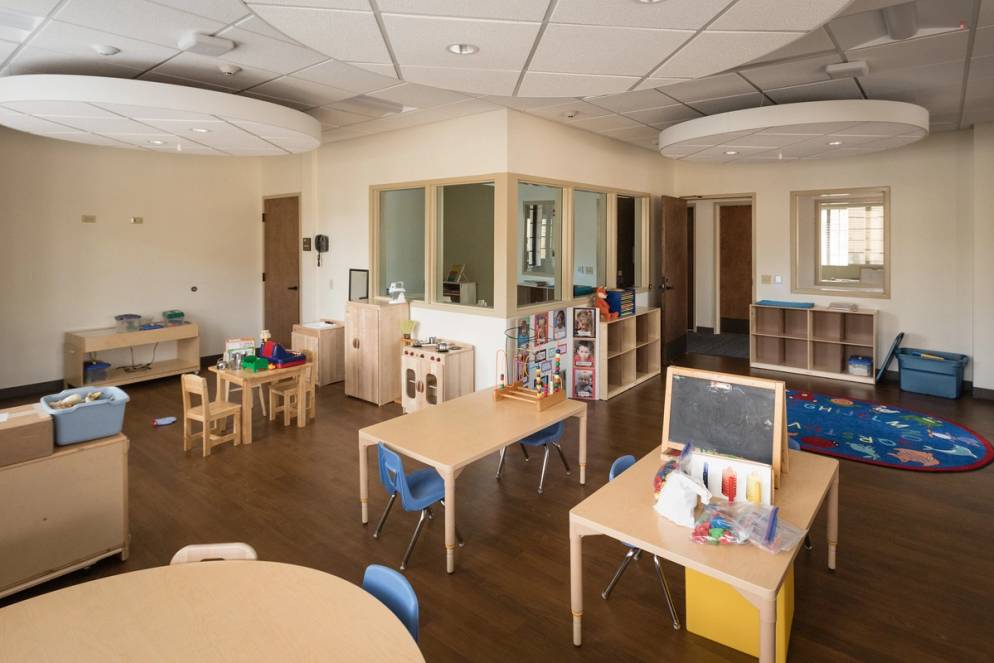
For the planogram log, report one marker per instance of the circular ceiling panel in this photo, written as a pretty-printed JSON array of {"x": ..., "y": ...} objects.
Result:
[
  {"x": 537, "y": 48},
  {"x": 789, "y": 132},
  {"x": 153, "y": 116}
]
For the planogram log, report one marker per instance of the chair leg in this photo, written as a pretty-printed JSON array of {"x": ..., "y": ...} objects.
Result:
[
  {"x": 629, "y": 556},
  {"x": 562, "y": 456},
  {"x": 272, "y": 405},
  {"x": 500, "y": 464},
  {"x": 414, "y": 539},
  {"x": 545, "y": 464},
  {"x": 666, "y": 591},
  {"x": 207, "y": 439},
  {"x": 262, "y": 400},
  {"x": 287, "y": 408},
  {"x": 807, "y": 542},
  {"x": 524, "y": 450},
  {"x": 383, "y": 518},
  {"x": 187, "y": 433}
]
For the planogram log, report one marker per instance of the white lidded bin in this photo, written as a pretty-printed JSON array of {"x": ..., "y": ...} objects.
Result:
[{"x": 88, "y": 420}]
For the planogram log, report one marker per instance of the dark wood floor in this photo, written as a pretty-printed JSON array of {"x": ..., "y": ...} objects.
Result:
[{"x": 914, "y": 581}]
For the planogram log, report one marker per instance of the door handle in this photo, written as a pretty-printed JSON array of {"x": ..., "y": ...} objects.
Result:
[
  {"x": 293, "y": 287},
  {"x": 355, "y": 343}
]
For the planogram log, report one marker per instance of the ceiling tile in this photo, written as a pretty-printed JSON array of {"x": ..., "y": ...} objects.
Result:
[
  {"x": 983, "y": 42},
  {"x": 514, "y": 10},
  {"x": 422, "y": 40},
  {"x": 16, "y": 26},
  {"x": 640, "y": 134},
  {"x": 346, "y": 77},
  {"x": 543, "y": 84},
  {"x": 31, "y": 7},
  {"x": 713, "y": 51},
  {"x": 355, "y": 5},
  {"x": 792, "y": 72},
  {"x": 606, "y": 123},
  {"x": 205, "y": 69},
  {"x": 226, "y": 11},
  {"x": 371, "y": 107},
  {"x": 417, "y": 96},
  {"x": 467, "y": 107},
  {"x": 843, "y": 88},
  {"x": 759, "y": 139},
  {"x": 91, "y": 139},
  {"x": 573, "y": 109},
  {"x": 722, "y": 85},
  {"x": 798, "y": 15},
  {"x": 145, "y": 113},
  {"x": 382, "y": 69},
  {"x": 813, "y": 42},
  {"x": 29, "y": 123},
  {"x": 858, "y": 29},
  {"x": 55, "y": 109},
  {"x": 665, "y": 116},
  {"x": 318, "y": 28},
  {"x": 915, "y": 85},
  {"x": 673, "y": 14},
  {"x": 255, "y": 50},
  {"x": 176, "y": 80},
  {"x": 733, "y": 103},
  {"x": 305, "y": 93},
  {"x": 106, "y": 125},
  {"x": 524, "y": 103},
  {"x": 630, "y": 101},
  {"x": 253, "y": 23},
  {"x": 331, "y": 117},
  {"x": 949, "y": 47},
  {"x": 656, "y": 83},
  {"x": 137, "y": 19},
  {"x": 473, "y": 81},
  {"x": 986, "y": 14},
  {"x": 76, "y": 40},
  {"x": 6, "y": 48},
  {"x": 33, "y": 60},
  {"x": 289, "y": 103},
  {"x": 621, "y": 51}
]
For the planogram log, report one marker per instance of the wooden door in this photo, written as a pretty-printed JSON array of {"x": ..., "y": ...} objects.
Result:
[
  {"x": 734, "y": 267},
  {"x": 625, "y": 242},
  {"x": 674, "y": 277},
  {"x": 281, "y": 265}
]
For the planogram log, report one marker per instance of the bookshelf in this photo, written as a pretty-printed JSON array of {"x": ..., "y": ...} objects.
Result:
[{"x": 633, "y": 351}]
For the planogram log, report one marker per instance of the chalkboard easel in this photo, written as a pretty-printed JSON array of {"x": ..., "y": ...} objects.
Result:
[{"x": 731, "y": 415}]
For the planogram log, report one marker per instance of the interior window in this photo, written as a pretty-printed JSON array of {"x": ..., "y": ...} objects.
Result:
[
  {"x": 539, "y": 239},
  {"x": 589, "y": 240},
  {"x": 840, "y": 241},
  {"x": 402, "y": 241},
  {"x": 465, "y": 244},
  {"x": 629, "y": 242}
]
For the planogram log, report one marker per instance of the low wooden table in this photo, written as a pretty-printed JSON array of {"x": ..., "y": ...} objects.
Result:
[
  {"x": 622, "y": 509},
  {"x": 207, "y": 611},
  {"x": 453, "y": 434},
  {"x": 247, "y": 380}
]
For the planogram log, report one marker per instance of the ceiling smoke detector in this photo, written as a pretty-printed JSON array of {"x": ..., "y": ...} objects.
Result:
[
  {"x": 229, "y": 69},
  {"x": 104, "y": 49},
  {"x": 463, "y": 49}
]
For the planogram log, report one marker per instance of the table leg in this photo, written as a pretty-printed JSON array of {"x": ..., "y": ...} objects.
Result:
[
  {"x": 247, "y": 412},
  {"x": 364, "y": 479},
  {"x": 450, "y": 522},
  {"x": 583, "y": 448},
  {"x": 301, "y": 402},
  {"x": 768, "y": 630},
  {"x": 576, "y": 582},
  {"x": 833, "y": 519}
]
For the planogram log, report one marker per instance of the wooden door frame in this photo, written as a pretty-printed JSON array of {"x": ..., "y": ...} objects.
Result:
[
  {"x": 300, "y": 263},
  {"x": 730, "y": 201}
]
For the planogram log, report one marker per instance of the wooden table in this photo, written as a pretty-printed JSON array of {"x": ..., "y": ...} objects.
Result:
[
  {"x": 208, "y": 611},
  {"x": 247, "y": 380},
  {"x": 622, "y": 509},
  {"x": 455, "y": 433}
]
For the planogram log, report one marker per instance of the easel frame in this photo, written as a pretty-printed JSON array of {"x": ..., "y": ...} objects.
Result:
[{"x": 778, "y": 387}]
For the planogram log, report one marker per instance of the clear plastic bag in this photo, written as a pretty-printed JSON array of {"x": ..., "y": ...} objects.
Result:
[
  {"x": 717, "y": 525},
  {"x": 765, "y": 529}
]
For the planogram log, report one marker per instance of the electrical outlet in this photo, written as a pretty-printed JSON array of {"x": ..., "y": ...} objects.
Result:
[
  {"x": 766, "y": 279},
  {"x": 137, "y": 220},
  {"x": 89, "y": 218}
]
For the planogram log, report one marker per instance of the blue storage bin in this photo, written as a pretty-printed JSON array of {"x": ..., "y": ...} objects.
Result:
[
  {"x": 87, "y": 420},
  {"x": 932, "y": 376}
]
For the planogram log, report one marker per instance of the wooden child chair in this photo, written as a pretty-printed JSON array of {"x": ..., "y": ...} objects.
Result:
[
  {"x": 212, "y": 416},
  {"x": 283, "y": 395}
]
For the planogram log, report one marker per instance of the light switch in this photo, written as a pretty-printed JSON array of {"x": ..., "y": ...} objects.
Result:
[
  {"x": 89, "y": 218},
  {"x": 137, "y": 220},
  {"x": 778, "y": 279},
  {"x": 766, "y": 279}
]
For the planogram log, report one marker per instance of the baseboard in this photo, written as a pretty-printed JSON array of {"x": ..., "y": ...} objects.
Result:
[
  {"x": 734, "y": 326},
  {"x": 36, "y": 389},
  {"x": 705, "y": 330},
  {"x": 209, "y": 360},
  {"x": 675, "y": 348},
  {"x": 986, "y": 394}
]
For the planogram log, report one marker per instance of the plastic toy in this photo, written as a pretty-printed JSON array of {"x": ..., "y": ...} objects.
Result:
[
  {"x": 163, "y": 421},
  {"x": 600, "y": 302},
  {"x": 717, "y": 526},
  {"x": 279, "y": 356}
]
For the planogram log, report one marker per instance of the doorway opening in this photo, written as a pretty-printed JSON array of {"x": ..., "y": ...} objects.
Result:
[
  {"x": 626, "y": 242},
  {"x": 281, "y": 265}
]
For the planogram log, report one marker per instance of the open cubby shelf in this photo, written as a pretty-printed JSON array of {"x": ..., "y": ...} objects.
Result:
[
  {"x": 633, "y": 351},
  {"x": 815, "y": 341}
]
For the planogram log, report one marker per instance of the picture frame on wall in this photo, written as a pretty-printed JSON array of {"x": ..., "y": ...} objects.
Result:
[
  {"x": 540, "y": 327},
  {"x": 584, "y": 322},
  {"x": 559, "y": 330},
  {"x": 358, "y": 285},
  {"x": 583, "y": 383},
  {"x": 583, "y": 354}
]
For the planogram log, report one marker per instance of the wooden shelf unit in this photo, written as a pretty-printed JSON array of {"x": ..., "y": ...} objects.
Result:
[
  {"x": 632, "y": 351},
  {"x": 80, "y": 344},
  {"x": 815, "y": 341}
]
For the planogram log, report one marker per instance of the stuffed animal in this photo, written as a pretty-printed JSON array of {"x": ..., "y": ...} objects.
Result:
[{"x": 601, "y": 303}]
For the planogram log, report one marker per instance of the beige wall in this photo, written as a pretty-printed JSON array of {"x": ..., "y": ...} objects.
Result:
[
  {"x": 932, "y": 232},
  {"x": 201, "y": 228},
  {"x": 983, "y": 263}
]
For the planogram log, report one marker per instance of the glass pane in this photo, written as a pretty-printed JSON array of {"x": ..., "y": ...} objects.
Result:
[
  {"x": 402, "y": 241},
  {"x": 589, "y": 240},
  {"x": 466, "y": 244},
  {"x": 629, "y": 242},
  {"x": 539, "y": 240}
]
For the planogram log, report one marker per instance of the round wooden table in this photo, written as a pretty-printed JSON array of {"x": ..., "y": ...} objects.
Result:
[{"x": 208, "y": 611}]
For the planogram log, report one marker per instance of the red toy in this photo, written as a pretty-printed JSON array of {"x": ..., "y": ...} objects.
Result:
[{"x": 601, "y": 303}]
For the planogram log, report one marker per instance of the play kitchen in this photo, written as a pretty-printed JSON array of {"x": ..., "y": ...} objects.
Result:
[{"x": 434, "y": 370}]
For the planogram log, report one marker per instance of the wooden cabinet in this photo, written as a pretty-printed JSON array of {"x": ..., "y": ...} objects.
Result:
[
  {"x": 629, "y": 351},
  {"x": 79, "y": 345},
  {"x": 327, "y": 344},
  {"x": 63, "y": 512},
  {"x": 429, "y": 377},
  {"x": 372, "y": 350}
]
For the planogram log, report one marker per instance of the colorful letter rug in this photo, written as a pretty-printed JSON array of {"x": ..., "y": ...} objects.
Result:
[{"x": 882, "y": 434}]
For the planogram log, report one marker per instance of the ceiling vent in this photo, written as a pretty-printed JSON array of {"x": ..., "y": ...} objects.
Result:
[{"x": 198, "y": 42}]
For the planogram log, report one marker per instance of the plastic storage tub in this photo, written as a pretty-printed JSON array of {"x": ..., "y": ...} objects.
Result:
[
  {"x": 935, "y": 377},
  {"x": 87, "y": 420},
  {"x": 95, "y": 371}
]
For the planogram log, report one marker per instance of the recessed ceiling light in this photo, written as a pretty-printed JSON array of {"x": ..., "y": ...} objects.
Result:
[
  {"x": 731, "y": 153},
  {"x": 104, "y": 49},
  {"x": 834, "y": 143},
  {"x": 462, "y": 49},
  {"x": 200, "y": 130},
  {"x": 156, "y": 142}
]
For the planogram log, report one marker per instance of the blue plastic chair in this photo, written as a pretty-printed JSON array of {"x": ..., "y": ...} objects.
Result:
[
  {"x": 418, "y": 491},
  {"x": 547, "y": 437},
  {"x": 617, "y": 467},
  {"x": 394, "y": 591}
]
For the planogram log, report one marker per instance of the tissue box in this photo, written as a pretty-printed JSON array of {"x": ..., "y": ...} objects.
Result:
[{"x": 25, "y": 434}]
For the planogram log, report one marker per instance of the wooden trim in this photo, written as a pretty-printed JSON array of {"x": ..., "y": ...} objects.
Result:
[{"x": 729, "y": 201}]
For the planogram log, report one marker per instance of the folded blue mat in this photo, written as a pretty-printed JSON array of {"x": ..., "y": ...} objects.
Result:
[{"x": 773, "y": 302}]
